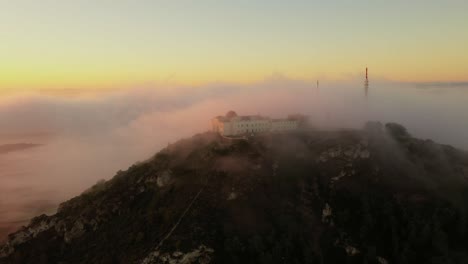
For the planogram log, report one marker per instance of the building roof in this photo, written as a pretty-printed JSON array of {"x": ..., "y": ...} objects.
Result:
[
  {"x": 231, "y": 114},
  {"x": 253, "y": 117}
]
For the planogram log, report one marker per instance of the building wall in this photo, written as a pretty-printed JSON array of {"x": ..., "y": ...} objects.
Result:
[
  {"x": 250, "y": 126},
  {"x": 284, "y": 124},
  {"x": 239, "y": 126},
  {"x": 214, "y": 125},
  {"x": 228, "y": 129}
]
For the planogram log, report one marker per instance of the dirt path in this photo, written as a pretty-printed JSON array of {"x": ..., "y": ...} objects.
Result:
[{"x": 180, "y": 219}]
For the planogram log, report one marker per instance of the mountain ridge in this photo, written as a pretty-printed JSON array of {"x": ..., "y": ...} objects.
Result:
[{"x": 376, "y": 195}]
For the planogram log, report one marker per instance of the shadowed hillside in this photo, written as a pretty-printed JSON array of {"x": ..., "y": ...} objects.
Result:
[{"x": 376, "y": 195}]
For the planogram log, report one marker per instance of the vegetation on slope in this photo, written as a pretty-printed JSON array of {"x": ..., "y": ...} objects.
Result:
[{"x": 371, "y": 196}]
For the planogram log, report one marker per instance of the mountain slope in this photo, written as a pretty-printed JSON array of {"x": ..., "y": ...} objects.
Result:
[{"x": 371, "y": 196}]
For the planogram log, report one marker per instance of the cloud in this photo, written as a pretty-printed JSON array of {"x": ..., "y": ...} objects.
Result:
[
  {"x": 87, "y": 138},
  {"x": 442, "y": 84}
]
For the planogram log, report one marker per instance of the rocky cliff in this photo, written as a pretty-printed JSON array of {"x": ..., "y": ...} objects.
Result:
[{"x": 376, "y": 195}]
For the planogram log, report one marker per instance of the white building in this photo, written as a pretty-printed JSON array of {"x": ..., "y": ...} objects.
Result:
[{"x": 233, "y": 125}]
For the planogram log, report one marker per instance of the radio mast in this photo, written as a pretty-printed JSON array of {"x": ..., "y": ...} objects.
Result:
[{"x": 366, "y": 83}]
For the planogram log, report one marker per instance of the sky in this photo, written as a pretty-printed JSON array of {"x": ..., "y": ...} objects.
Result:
[{"x": 111, "y": 44}]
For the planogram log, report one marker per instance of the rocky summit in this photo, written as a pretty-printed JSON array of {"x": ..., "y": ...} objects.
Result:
[{"x": 376, "y": 195}]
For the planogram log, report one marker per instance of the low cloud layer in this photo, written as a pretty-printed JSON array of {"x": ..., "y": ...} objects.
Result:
[{"x": 89, "y": 138}]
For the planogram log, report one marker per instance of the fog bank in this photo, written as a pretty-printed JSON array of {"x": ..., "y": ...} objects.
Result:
[{"x": 85, "y": 139}]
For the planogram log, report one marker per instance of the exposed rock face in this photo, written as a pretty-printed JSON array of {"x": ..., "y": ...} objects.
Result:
[
  {"x": 352, "y": 251},
  {"x": 232, "y": 196},
  {"x": 38, "y": 225},
  {"x": 77, "y": 230},
  {"x": 201, "y": 255},
  {"x": 326, "y": 213},
  {"x": 341, "y": 175},
  {"x": 42, "y": 224},
  {"x": 382, "y": 260},
  {"x": 350, "y": 153},
  {"x": 367, "y": 196},
  {"x": 164, "y": 179}
]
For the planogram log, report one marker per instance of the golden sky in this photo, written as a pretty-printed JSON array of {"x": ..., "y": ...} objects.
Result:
[{"x": 70, "y": 44}]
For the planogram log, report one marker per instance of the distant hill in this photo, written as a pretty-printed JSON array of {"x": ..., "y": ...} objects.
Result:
[
  {"x": 375, "y": 195},
  {"x": 16, "y": 147}
]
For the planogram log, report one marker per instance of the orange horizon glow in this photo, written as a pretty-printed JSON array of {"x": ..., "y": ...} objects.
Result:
[{"x": 47, "y": 45}]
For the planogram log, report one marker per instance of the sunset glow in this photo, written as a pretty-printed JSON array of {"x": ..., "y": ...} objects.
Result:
[{"x": 107, "y": 44}]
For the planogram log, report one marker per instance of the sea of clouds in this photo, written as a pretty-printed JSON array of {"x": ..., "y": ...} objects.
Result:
[{"x": 88, "y": 138}]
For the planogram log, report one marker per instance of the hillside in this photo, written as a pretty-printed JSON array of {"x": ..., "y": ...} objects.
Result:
[{"x": 375, "y": 195}]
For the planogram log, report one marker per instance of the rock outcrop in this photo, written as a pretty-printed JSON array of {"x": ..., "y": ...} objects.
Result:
[
  {"x": 201, "y": 255},
  {"x": 376, "y": 195}
]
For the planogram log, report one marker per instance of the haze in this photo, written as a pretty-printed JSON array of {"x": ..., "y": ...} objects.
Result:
[
  {"x": 104, "y": 84},
  {"x": 88, "y": 138}
]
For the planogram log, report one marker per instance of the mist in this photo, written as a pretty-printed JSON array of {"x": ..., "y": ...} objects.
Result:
[{"x": 87, "y": 138}]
